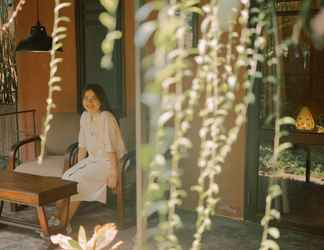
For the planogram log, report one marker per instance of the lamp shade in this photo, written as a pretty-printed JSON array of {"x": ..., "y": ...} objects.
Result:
[{"x": 37, "y": 41}]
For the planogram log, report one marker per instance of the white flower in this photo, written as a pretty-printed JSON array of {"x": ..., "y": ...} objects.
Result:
[
  {"x": 232, "y": 81},
  {"x": 202, "y": 46},
  {"x": 102, "y": 237},
  {"x": 61, "y": 240}
]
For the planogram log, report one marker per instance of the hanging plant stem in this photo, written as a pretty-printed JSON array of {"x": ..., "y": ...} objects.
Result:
[
  {"x": 58, "y": 34},
  {"x": 19, "y": 7}
]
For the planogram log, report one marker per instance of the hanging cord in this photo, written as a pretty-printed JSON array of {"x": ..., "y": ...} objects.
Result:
[{"x": 37, "y": 8}]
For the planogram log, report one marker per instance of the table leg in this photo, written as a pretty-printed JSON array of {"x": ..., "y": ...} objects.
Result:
[
  {"x": 43, "y": 220},
  {"x": 1, "y": 207},
  {"x": 13, "y": 207},
  {"x": 308, "y": 164},
  {"x": 65, "y": 212}
]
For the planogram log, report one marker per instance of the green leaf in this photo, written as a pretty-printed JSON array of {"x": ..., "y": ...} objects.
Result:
[
  {"x": 275, "y": 214},
  {"x": 82, "y": 237},
  {"x": 283, "y": 146},
  {"x": 274, "y": 232},
  {"x": 283, "y": 133},
  {"x": 269, "y": 119},
  {"x": 286, "y": 121},
  {"x": 270, "y": 244},
  {"x": 195, "y": 10},
  {"x": 61, "y": 29},
  {"x": 189, "y": 3},
  {"x": 57, "y": 46},
  {"x": 161, "y": 206},
  {"x": 144, "y": 32},
  {"x": 110, "y": 5},
  {"x": 107, "y": 46},
  {"x": 74, "y": 245},
  {"x": 113, "y": 35},
  {"x": 264, "y": 220},
  {"x": 275, "y": 190},
  {"x": 107, "y": 20},
  {"x": 55, "y": 79},
  {"x": 165, "y": 117},
  {"x": 62, "y": 19},
  {"x": 146, "y": 155},
  {"x": 61, "y": 6},
  {"x": 197, "y": 188},
  {"x": 106, "y": 62},
  {"x": 144, "y": 11},
  {"x": 58, "y": 38}
]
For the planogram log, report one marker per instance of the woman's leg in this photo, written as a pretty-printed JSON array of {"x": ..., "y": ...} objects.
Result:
[
  {"x": 59, "y": 208},
  {"x": 74, "y": 205}
]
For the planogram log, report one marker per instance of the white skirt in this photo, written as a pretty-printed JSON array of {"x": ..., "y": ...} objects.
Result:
[{"x": 91, "y": 175}]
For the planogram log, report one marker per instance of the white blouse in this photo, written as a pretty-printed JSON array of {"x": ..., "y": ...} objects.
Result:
[{"x": 100, "y": 134}]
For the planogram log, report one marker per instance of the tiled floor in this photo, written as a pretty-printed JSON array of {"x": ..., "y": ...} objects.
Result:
[
  {"x": 225, "y": 235},
  {"x": 89, "y": 215}
]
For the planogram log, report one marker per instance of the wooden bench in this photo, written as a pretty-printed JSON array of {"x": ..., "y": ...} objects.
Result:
[{"x": 36, "y": 191}]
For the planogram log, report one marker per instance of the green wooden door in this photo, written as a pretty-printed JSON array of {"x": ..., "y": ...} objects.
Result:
[{"x": 90, "y": 34}]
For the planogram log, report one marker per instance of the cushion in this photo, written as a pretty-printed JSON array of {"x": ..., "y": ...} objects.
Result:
[
  {"x": 52, "y": 166},
  {"x": 64, "y": 131}
]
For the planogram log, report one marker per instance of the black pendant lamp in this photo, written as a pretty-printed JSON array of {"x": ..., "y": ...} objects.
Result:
[{"x": 38, "y": 40}]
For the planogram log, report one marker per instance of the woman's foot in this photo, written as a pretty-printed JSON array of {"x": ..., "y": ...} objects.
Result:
[
  {"x": 68, "y": 229},
  {"x": 53, "y": 221}
]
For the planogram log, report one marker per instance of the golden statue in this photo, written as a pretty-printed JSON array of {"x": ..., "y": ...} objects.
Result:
[{"x": 305, "y": 120}]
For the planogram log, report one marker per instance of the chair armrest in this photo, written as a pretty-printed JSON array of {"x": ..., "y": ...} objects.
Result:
[
  {"x": 14, "y": 150},
  {"x": 128, "y": 161},
  {"x": 71, "y": 156}
]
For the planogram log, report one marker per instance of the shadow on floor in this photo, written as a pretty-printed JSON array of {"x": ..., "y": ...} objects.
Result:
[
  {"x": 226, "y": 234},
  {"x": 89, "y": 215}
]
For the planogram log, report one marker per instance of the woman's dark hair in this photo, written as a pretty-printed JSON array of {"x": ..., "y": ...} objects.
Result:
[{"x": 101, "y": 95}]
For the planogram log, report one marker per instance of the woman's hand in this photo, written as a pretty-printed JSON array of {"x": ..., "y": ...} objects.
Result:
[
  {"x": 82, "y": 153},
  {"x": 112, "y": 180}
]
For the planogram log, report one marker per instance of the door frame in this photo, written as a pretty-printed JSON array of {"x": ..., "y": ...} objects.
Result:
[{"x": 252, "y": 157}]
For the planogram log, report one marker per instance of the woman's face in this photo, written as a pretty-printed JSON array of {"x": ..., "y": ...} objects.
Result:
[{"x": 91, "y": 102}]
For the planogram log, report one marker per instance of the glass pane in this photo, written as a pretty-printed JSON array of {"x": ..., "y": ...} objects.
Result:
[{"x": 301, "y": 168}]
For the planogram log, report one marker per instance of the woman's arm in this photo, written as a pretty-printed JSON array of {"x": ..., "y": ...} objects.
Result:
[
  {"x": 82, "y": 153},
  {"x": 113, "y": 175}
]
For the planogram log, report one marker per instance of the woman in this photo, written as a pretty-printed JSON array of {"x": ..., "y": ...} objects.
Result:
[{"x": 100, "y": 148}]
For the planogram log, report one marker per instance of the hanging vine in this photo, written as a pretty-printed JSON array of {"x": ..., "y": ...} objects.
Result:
[
  {"x": 8, "y": 70},
  {"x": 222, "y": 93},
  {"x": 5, "y": 26},
  {"x": 58, "y": 34},
  {"x": 108, "y": 19},
  {"x": 228, "y": 65},
  {"x": 166, "y": 95}
]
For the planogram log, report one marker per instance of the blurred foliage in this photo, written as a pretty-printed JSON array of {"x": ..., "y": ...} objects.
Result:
[
  {"x": 220, "y": 83},
  {"x": 58, "y": 35},
  {"x": 102, "y": 238}
]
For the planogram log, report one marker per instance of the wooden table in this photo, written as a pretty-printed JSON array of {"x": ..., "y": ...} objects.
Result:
[
  {"x": 36, "y": 191},
  {"x": 302, "y": 139}
]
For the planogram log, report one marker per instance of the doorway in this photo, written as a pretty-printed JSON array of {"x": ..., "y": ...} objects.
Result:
[
  {"x": 89, "y": 36},
  {"x": 301, "y": 174}
]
